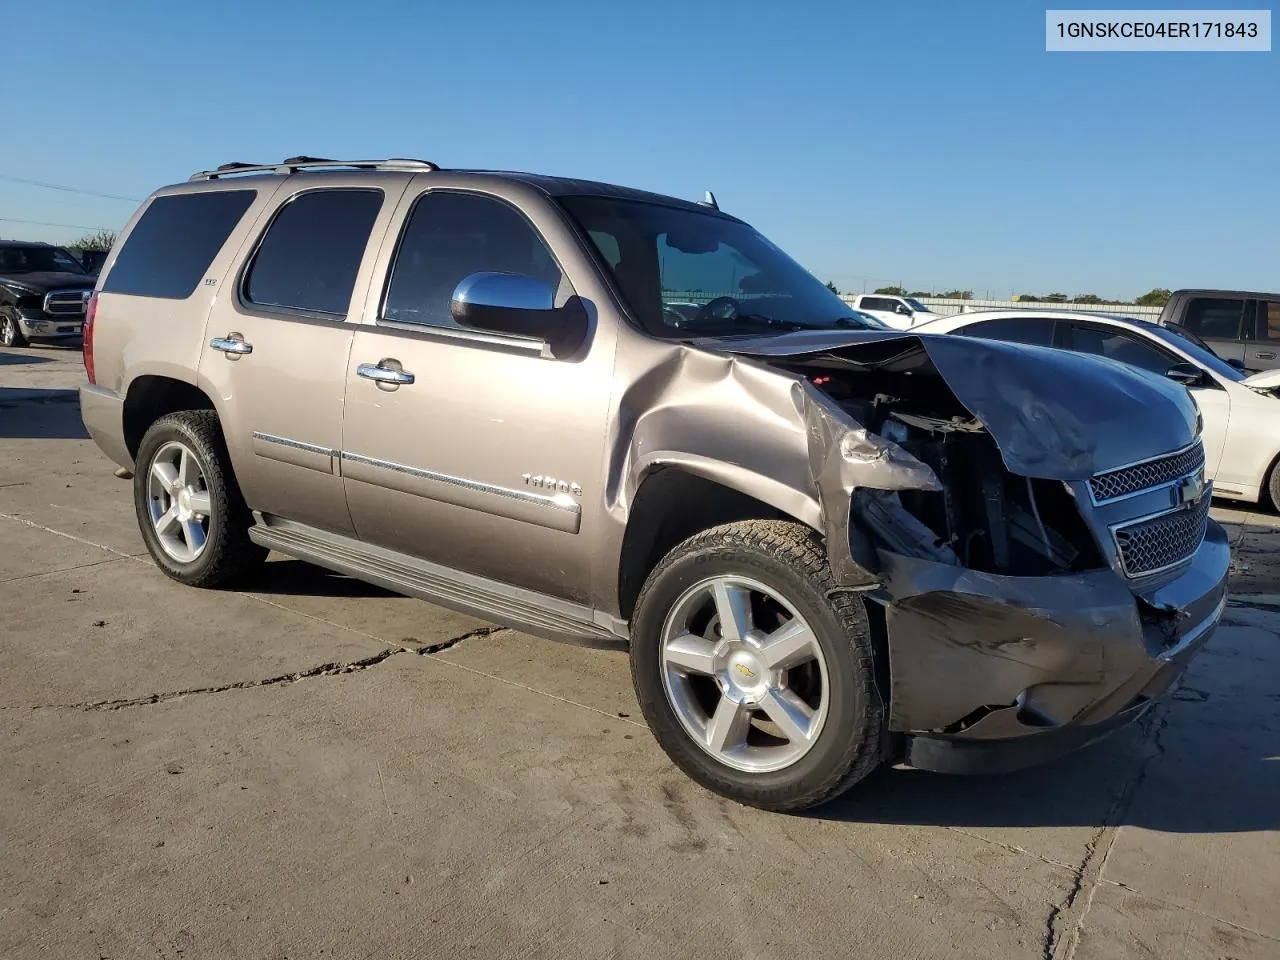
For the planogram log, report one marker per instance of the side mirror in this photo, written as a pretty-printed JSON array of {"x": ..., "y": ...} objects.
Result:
[
  {"x": 520, "y": 305},
  {"x": 1187, "y": 374},
  {"x": 903, "y": 309}
]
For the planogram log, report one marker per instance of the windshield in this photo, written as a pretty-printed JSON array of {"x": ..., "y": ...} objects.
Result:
[
  {"x": 37, "y": 260},
  {"x": 690, "y": 274},
  {"x": 916, "y": 304},
  {"x": 1193, "y": 348}
]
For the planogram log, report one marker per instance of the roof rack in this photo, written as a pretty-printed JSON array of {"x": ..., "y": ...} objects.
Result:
[{"x": 294, "y": 164}]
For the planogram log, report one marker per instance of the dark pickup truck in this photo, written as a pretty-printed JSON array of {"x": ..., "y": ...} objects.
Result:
[
  {"x": 43, "y": 292},
  {"x": 1238, "y": 325}
]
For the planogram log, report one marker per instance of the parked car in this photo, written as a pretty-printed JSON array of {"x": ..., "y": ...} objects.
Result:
[
  {"x": 1241, "y": 327},
  {"x": 1241, "y": 413},
  {"x": 898, "y": 313},
  {"x": 43, "y": 292},
  {"x": 827, "y": 547}
]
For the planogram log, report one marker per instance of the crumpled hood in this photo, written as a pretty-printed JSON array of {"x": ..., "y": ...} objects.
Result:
[
  {"x": 1265, "y": 380},
  {"x": 1053, "y": 414}
]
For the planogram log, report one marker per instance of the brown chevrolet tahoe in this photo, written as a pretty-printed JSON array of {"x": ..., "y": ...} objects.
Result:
[{"x": 594, "y": 413}]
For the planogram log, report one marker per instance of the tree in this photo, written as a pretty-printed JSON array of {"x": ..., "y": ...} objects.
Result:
[
  {"x": 1086, "y": 298},
  {"x": 99, "y": 240},
  {"x": 832, "y": 287},
  {"x": 892, "y": 291},
  {"x": 1154, "y": 298},
  {"x": 1055, "y": 298},
  {"x": 1025, "y": 296},
  {"x": 958, "y": 295}
]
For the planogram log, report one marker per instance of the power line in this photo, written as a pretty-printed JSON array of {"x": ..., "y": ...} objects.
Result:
[
  {"x": 43, "y": 223},
  {"x": 66, "y": 189}
]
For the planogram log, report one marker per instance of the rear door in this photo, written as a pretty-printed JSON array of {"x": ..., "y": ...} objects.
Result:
[
  {"x": 1221, "y": 323},
  {"x": 1262, "y": 352},
  {"x": 278, "y": 338},
  {"x": 1126, "y": 347}
]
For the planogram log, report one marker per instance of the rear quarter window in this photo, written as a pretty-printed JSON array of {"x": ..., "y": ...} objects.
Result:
[{"x": 171, "y": 246}]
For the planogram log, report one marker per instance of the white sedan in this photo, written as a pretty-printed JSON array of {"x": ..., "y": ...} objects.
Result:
[{"x": 1241, "y": 413}]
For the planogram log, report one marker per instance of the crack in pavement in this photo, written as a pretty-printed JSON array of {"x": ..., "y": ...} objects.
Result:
[
  {"x": 1178, "y": 906},
  {"x": 332, "y": 669},
  {"x": 1097, "y": 851}
]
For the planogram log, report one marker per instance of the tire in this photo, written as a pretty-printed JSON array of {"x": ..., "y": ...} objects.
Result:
[
  {"x": 788, "y": 561},
  {"x": 10, "y": 330},
  {"x": 220, "y": 553},
  {"x": 1272, "y": 497}
]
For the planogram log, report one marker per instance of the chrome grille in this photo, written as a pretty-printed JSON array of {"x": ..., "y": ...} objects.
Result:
[
  {"x": 1142, "y": 476},
  {"x": 66, "y": 303},
  {"x": 1150, "y": 546}
]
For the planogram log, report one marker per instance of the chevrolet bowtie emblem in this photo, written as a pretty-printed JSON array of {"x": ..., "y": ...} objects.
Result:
[
  {"x": 745, "y": 671},
  {"x": 1189, "y": 490}
]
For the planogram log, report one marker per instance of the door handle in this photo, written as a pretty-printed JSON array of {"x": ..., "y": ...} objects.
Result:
[
  {"x": 384, "y": 372},
  {"x": 1265, "y": 355},
  {"x": 232, "y": 345}
]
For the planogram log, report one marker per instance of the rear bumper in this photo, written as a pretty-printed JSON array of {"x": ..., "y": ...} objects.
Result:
[
  {"x": 102, "y": 411},
  {"x": 992, "y": 674}
]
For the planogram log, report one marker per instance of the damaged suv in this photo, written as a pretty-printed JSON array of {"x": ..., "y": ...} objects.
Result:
[{"x": 594, "y": 413}]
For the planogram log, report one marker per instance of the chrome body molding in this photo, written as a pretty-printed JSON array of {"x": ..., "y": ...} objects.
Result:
[
  {"x": 299, "y": 453},
  {"x": 557, "y": 512}
]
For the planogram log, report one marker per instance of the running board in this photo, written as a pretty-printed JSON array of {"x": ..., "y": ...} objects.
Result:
[{"x": 502, "y": 603}]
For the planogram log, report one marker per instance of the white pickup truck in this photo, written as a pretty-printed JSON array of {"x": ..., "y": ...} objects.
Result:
[{"x": 897, "y": 312}]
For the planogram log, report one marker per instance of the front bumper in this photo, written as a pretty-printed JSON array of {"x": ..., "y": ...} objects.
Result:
[
  {"x": 102, "y": 411},
  {"x": 37, "y": 325},
  {"x": 992, "y": 673}
]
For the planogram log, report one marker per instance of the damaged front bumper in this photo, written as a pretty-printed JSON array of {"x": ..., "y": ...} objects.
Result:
[{"x": 993, "y": 673}]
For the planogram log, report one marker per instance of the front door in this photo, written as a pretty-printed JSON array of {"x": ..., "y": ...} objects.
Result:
[
  {"x": 1219, "y": 322},
  {"x": 278, "y": 339},
  {"x": 473, "y": 450}
]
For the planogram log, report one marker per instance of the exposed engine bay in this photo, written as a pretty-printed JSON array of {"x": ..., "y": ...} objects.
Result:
[{"x": 979, "y": 514}]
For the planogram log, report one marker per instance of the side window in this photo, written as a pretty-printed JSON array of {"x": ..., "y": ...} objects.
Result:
[
  {"x": 450, "y": 236},
  {"x": 878, "y": 303},
  {"x": 1215, "y": 318},
  {"x": 1119, "y": 346},
  {"x": 1268, "y": 327},
  {"x": 309, "y": 257},
  {"x": 1034, "y": 330},
  {"x": 174, "y": 241}
]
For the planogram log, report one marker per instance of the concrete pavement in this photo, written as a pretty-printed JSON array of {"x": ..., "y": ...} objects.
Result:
[{"x": 321, "y": 769}]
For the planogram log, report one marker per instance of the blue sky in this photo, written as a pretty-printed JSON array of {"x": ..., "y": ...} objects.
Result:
[{"x": 934, "y": 143}]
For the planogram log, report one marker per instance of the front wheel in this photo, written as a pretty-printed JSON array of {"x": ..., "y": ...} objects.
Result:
[
  {"x": 192, "y": 517},
  {"x": 11, "y": 330},
  {"x": 754, "y": 677}
]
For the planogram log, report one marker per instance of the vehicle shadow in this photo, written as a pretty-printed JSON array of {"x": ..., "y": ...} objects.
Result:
[
  {"x": 1190, "y": 767},
  {"x": 40, "y": 413},
  {"x": 18, "y": 359},
  {"x": 296, "y": 578}
]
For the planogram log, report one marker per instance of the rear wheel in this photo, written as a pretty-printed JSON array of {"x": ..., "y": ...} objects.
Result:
[
  {"x": 192, "y": 517},
  {"x": 1272, "y": 496},
  {"x": 756, "y": 680},
  {"x": 10, "y": 330}
]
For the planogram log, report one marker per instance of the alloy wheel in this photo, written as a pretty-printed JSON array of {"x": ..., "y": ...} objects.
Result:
[
  {"x": 179, "y": 502},
  {"x": 744, "y": 673}
]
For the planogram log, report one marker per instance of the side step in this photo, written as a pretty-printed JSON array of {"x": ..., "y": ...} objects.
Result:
[{"x": 502, "y": 603}]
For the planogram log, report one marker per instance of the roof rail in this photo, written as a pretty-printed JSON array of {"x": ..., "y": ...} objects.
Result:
[{"x": 294, "y": 164}]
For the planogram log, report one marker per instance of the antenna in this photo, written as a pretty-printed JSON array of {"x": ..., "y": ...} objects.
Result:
[{"x": 709, "y": 200}]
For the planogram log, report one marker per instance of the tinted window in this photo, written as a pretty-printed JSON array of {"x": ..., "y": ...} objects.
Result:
[
  {"x": 878, "y": 303},
  {"x": 173, "y": 243},
  {"x": 15, "y": 260},
  {"x": 1214, "y": 318},
  {"x": 310, "y": 255},
  {"x": 450, "y": 236},
  {"x": 1268, "y": 320},
  {"x": 1119, "y": 346},
  {"x": 1034, "y": 330}
]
